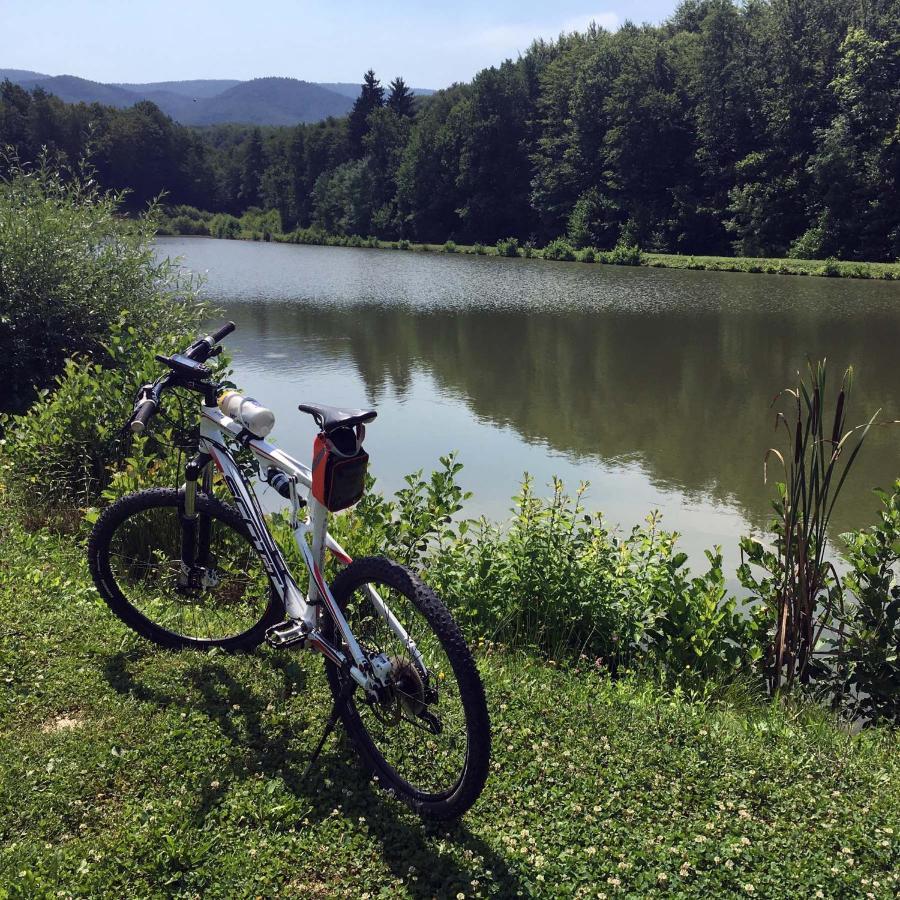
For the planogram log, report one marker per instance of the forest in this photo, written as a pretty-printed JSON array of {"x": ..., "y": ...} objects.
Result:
[{"x": 755, "y": 128}]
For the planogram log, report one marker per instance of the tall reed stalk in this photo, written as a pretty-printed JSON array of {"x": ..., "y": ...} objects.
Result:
[{"x": 816, "y": 466}]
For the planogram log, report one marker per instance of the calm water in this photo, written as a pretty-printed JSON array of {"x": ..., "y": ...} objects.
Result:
[{"x": 653, "y": 385}]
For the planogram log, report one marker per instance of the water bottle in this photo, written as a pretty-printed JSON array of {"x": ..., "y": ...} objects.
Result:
[{"x": 258, "y": 420}]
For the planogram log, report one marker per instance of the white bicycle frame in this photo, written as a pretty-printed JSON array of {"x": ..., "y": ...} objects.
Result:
[{"x": 311, "y": 535}]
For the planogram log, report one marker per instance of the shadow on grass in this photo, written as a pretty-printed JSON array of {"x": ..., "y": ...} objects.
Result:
[{"x": 407, "y": 842}]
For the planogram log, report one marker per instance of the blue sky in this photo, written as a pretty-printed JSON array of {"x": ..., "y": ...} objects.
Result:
[{"x": 430, "y": 44}]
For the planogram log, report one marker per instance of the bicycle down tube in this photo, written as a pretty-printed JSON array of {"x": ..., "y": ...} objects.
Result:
[{"x": 296, "y": 605}]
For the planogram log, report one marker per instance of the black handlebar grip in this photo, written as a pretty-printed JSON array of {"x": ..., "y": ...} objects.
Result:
[
  {"x": 225, "y": 330},
  {"x": 144, "y": 413}
]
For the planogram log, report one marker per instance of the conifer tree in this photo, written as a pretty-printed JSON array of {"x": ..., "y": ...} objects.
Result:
[
  {"x": 371, "y": 97},
  {"x": 401, "y": 98}
]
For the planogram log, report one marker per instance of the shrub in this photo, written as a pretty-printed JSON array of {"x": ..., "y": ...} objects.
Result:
[
  {"x": 830, "y": 268},
  {"x": 528, "y": 249},
  {"x": 71, "y": 267},
  {"x": 868, "y": 645},
  {"x": 479, "y": 249},
  {"x": 222, "y": 225},
  {"x": 588, "y": 255},
  {"x": 557, "y": 580},
  {"x": 57, "y": 457},
  {"x": 508, "y": 247},
  {"x": 183, "y": 225},
  {"x": 403, "y": 244},
  {"x": 559, "y": 249},
  {"x": 449, "y": 247},
  {"x": 625, "y": 255},
  {"x": 308, "y": 236}
]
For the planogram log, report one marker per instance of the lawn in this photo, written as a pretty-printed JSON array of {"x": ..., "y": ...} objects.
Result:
[{"x": 129, "y": 771}]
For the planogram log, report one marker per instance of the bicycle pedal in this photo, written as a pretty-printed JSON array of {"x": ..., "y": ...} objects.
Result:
[{"x": 287, "y": 634}]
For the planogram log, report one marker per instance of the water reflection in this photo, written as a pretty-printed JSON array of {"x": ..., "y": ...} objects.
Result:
[{"x": 655, "y": 384}]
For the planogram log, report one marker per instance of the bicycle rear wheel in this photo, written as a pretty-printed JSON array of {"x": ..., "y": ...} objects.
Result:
[
  {"x": 135, "y": 555},
  {"x": 428, "y": 737}
]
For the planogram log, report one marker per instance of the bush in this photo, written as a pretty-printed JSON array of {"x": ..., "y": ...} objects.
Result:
[
  {"x": 479, "y": 249},
  {"x": 71, "y": 267},
  {"x": 868, "y": 649},
  {"x": 183, "y": 225},
  {"x": 403, "y": 244},
  {"x": 221, "y": 225},
  {"x": 528, "y": 249},
  {"x": 449, "y": 247},
  {"x": 558, "y": 581},
  {"x": 588, "y": 255},
  {"x": 509, "y": 247},
  {"x": 58, "y": 457},
  {"x": 625, "y": 255},
  {"x": 559, "y": 249}
]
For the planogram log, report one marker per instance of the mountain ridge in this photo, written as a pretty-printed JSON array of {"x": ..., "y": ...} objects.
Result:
[{"x": 269, "y": 100}]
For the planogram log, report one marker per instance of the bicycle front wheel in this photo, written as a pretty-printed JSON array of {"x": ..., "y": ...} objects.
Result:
[
  {"x": 427, "y": 738},
  {"x": 225, "y": 599}
]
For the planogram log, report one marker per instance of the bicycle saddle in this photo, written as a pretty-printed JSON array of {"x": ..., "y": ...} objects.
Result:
[{"x": 328, "y": 418}]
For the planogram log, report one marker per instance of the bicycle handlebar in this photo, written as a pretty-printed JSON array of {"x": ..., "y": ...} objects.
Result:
[
  {"x": 145, "y": 410},
  {"x": 148, "y": 402}
]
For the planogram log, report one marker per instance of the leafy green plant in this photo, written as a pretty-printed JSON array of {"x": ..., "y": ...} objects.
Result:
[
  {"x": 449, "y": 247},
  {"x": 868, "y": 640},
  {"x": 624, "y": 254},
  {"x": 61, "y": 455},
  {"x": 508, "y": 247},
  {"x": 559, "y": 249},
  {"x": 588, "y": 255},
  {"x": 696, "y": 634},
  {"x": 479, "y": 249},
  {"x": 71, "y": 268},
  {"x": 223, "y": 225}
]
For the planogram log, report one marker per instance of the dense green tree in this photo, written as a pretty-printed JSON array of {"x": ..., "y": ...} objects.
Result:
[
  {"x": 493, "y": 164},
  {"x": 371, "y": 97},
  {"x": 252, "y": 169},
  {"x": 427, "y": 193},
  {"x": 401, "y": 99}
]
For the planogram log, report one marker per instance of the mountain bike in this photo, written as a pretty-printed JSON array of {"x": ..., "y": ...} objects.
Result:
[{"x": 187, "y": 570}]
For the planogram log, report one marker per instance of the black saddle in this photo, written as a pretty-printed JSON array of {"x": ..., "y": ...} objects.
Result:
[{"x": 330, "y": 418}]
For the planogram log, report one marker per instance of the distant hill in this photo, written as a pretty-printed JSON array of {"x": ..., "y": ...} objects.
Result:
[{"x": 261, "y": 101}]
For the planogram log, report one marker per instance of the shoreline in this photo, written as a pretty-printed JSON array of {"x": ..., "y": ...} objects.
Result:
[{"x": 828, "y": 268}]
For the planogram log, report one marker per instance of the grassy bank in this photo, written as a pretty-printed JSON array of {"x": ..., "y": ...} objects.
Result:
[
  {"x": 127, "y": 771},
  {"x": 258, "y": 226}
]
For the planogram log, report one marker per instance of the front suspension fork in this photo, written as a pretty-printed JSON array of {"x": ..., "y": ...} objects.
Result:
[{"x": 195, "y": 527}]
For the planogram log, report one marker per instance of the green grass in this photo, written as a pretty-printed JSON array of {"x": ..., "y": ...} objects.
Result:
[
  {"x": 129, "y": 771},
  {"x": 761, "y": 265}
]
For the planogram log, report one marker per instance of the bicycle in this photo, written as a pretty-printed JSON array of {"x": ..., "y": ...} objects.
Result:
[{"x": 184, "y": 569}]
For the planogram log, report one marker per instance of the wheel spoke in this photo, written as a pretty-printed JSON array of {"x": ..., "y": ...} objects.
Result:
[{"x": 145, "y": 560}]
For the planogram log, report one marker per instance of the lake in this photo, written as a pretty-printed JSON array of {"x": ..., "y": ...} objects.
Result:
[{"x": 654, "y": 385}]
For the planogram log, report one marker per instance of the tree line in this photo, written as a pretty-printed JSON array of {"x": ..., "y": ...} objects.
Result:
[{"x": 761, "y": 128}]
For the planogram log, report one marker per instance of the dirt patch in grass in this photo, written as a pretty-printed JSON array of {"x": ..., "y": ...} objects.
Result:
[{"x": 63, "y": 722}]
